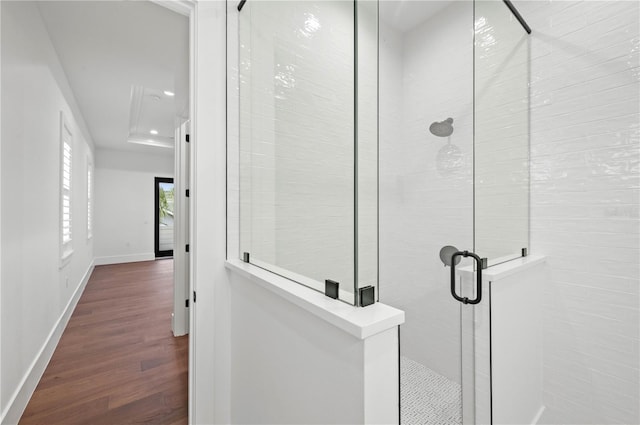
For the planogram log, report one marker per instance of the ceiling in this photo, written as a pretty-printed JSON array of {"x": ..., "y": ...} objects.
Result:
[
  {"x": 404, "y": 15},
  {"x": 120, "y": 57}
]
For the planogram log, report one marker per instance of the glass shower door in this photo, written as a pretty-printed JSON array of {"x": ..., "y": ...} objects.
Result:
[
  {"x": 453, "y": 171},
  {"x": 426, "y": 192},
  {"x": 501, "y": 207}
]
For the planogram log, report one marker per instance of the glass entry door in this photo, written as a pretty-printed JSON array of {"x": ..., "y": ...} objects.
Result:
[{"x": 164, "y": 216}]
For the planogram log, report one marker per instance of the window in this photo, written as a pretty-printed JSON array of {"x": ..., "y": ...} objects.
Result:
[
  {"x": 66, "y": 161},
  {"x": 89, "y": 198}
]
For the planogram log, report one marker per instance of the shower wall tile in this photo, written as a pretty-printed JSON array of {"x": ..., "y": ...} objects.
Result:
[{"x": 585, "y": 208}]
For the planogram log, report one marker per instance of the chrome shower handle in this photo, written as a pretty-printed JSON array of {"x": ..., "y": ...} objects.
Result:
[{"x": 480, "y": 264}]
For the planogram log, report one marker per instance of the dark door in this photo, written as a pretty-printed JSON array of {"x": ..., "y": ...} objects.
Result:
[{"x": 164, "y": 216}]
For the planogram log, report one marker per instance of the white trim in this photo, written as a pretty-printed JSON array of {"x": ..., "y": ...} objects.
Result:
[
  {"x": 2, "y": 414},
  {"x": 357, "y": 321},
  {"x": 65, "y": 259},
  {"x": 20, "y": 398},
  {"x": 130, "y": 258},
  {"x": 343, "y": 295},
  {"x": 538, "y": 416},
  {"x": 210, "y": 341},
  {"x": 183, "y": 7},
  {"x": 503, "y": 270}
]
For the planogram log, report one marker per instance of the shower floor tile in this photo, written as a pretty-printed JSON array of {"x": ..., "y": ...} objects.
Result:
[{"x": 426, "y": 397}]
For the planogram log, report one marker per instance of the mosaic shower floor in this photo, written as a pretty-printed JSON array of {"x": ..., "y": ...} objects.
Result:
[{"x": 428, "y": 398}]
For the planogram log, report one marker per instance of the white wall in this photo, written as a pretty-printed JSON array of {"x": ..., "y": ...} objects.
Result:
[
  {"x": 426, "y": 75},
  {"x": 585, "y": 204},
  {"x": 290, "y": 366},
  {"x": 124, "y": 204},
  {"x": 37, "y": 295}
]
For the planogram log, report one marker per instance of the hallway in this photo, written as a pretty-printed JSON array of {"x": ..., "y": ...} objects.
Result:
[{"x": 117, "y": 361}]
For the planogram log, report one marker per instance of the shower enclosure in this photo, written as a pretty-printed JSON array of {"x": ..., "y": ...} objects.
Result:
[
  {"x": 372, "y": 135},
  {"x": 454, "y": 152}
]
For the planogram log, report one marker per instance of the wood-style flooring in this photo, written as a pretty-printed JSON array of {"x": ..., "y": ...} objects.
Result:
[{"x": 117, "y": 361}]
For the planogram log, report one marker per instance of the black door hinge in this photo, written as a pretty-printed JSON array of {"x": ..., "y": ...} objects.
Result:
[
  {"x": 186, "y": 303},
  {"x": 186, "y": 248},
  {"x": 186, "y": 138},
  {"x": 194, "y": 296},
  {"x": 187, "y": 193}
]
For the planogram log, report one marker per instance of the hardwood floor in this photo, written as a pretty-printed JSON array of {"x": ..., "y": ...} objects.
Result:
[{"x": 117, "y": 361}]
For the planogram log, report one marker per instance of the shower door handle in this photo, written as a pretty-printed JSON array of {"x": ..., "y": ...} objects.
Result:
[{"x": 480, "y": 265}]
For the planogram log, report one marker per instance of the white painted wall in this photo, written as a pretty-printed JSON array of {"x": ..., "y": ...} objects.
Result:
[
  {"x": 289, "y": 366},
  {"x": 124, "y": 204},
  {"x": 37, "y": 296},
  {"x": 426, "y": 75},
  {"x": 585, "y": 217}
]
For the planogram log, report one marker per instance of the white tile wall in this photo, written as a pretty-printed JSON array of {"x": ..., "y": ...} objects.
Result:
[{"x": 585, "y": 147}]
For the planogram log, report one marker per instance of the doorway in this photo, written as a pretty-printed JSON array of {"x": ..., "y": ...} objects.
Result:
[{"x": 164, "y": 216}]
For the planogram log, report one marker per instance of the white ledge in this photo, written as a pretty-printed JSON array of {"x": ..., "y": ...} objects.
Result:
[
  {"x": 500, "y": 271},
  {"x": 361, "y": 322}
]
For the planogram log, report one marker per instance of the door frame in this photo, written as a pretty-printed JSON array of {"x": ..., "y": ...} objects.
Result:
[{"x": 209, "y": 317}]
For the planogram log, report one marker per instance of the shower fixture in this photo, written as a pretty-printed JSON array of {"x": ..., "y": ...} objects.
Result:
[
  {"x": 449, "y": 158},
  {"x": 442, "y": 128}
]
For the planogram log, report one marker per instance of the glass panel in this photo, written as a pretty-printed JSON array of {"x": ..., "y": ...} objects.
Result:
[
  {"x": 501, "y": 188},
  {"x": 501, "y": 133},
  {"x": 367, "y": 143},
  {"x": 165, "y": 216},
  {"x": 297, "y": 150}
]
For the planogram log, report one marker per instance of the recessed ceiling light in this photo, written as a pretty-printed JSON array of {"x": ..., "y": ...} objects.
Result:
[
  {"x": 153, "y": 132},
  {"x": 169, "y": 93}
]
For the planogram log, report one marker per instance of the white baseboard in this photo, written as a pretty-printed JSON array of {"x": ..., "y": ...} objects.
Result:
[
  {"x": 130, "y": 258},
  {"x": 538, "y": 416},
  {"x": 20, "y": 398}
]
